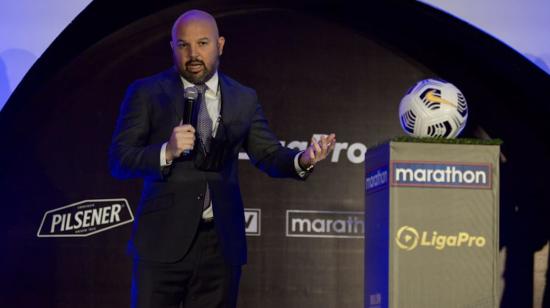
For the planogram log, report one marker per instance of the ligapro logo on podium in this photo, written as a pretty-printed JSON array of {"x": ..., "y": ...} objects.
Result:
[{"x": 409, "y": 238}]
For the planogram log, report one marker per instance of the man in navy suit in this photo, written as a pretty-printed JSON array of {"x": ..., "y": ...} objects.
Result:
[{"x": 188, "y": 239}]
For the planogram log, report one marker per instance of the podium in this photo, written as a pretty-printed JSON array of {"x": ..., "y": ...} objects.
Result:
[{"x": 431, "y": 225}]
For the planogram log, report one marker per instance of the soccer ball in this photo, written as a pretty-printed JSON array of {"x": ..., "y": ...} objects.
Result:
[{"x": 433, "y": 108}]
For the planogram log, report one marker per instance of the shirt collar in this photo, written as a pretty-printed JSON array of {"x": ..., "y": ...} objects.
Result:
[{"x": 211, "y": 84}]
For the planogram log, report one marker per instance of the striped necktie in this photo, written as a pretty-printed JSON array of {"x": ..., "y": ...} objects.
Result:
[
  {"x": 204, "y": 129},
  {"x": 204, "y": 122}
]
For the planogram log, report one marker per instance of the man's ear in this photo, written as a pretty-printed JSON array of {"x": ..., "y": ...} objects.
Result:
[{"x": 221, "y": 43}]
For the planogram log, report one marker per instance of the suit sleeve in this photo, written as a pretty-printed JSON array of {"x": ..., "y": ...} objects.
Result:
[
  {"x": 265, "y": 150},
  {"x": 130, "y": 155}
]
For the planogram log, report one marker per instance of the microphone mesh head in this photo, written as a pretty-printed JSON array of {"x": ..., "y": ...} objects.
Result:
[{"x": 191, "y": 93}]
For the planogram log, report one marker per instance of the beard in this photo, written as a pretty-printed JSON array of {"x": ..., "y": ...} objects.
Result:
[{"x": 198, "y": 78}]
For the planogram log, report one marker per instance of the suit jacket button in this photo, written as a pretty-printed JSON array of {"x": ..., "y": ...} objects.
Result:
[{"x": 199, "y": 197}]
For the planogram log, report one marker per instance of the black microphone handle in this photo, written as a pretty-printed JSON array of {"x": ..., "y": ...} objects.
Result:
[{"x": 188, "y": 111}]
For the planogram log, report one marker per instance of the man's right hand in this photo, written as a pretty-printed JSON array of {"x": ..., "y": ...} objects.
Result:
[{"x": 182, "y": 138}]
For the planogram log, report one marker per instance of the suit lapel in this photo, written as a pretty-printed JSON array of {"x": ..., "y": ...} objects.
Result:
[
  {"x": 229, "y": 99},
  {"x": 173, "y": 87}
]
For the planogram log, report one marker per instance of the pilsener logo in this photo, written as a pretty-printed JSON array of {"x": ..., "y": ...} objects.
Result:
[
  {"x": 408, "y": 238},
  {"x": 441, "y": 174},
  {"x": 252, "y": 220},
  {"x": 327, "y": 224},
  {"x": 85, "y": 218}
]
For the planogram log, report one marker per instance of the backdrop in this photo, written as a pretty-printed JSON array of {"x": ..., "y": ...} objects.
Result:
[{"x": 327, "y": 68}]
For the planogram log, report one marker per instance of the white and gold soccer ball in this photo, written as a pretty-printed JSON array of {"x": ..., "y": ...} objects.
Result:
[{"x": 433, "y": 108}]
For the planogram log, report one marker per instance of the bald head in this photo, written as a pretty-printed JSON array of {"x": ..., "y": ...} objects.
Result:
[
  {"x": 195, "y": 17},
  {"x": 196, "y": 46}
]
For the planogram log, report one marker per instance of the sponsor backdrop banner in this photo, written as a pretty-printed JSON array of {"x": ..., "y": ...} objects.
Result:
[{"x": 432, "y": 214}]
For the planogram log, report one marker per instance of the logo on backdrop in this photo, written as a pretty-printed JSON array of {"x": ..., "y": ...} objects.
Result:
[
  {"x": 85, "y": 218},
  {"x": 440, "y": 174},
  {"x": 353, "y": 152},
  {"x": 327, "y": 224},
  {"x": 252, "y": 220},
  {"x": 408, "y": 238}
]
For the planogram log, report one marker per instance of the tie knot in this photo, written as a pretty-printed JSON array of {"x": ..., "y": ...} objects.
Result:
[{"x": 201, "y": 88}]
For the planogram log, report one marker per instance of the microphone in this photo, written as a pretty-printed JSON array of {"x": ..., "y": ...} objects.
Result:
[{"x": 190, "y": 95}]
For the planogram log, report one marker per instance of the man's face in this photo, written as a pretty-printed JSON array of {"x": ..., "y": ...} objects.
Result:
[{"x": 196, "y": 49}]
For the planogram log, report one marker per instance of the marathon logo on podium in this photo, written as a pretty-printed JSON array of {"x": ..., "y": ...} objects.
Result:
[
  {"x": 376, "y": 179},
  {"x": 85, "y": 218},
  {"x": 441, "y": 174}
]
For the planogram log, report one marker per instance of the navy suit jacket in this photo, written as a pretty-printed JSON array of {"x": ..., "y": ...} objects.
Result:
[{"x": 171, "y": 204}]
